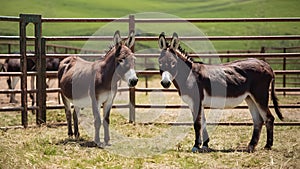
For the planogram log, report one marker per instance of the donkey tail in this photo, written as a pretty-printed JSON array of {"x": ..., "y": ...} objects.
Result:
[{"x": 275, "y": 101}]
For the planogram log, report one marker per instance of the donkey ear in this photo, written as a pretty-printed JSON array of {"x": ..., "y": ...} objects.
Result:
[
  {"x": 131, "y": 38},
  {"x": 174, "y": 41},
  {"x": 162, "y": 41},
  {"x": 117, "y": 38}
]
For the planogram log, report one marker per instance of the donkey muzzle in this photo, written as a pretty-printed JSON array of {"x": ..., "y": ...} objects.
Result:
[
  {"x": 165, "y": 83},
  {"x": 166, "y": 79},
  {"x": 133, "y": 81},
  {"x": 131, "y": 78}
]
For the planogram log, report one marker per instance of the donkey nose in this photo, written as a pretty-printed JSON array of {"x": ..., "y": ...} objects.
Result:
[
  {"x": 165, "y": 83},
  {"x": 133, "y": 82}
]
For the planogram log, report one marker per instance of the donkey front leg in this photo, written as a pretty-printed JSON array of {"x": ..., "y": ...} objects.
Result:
[
  {"x": 197, "y": 128},
  {"x": 205, "y": 136}
]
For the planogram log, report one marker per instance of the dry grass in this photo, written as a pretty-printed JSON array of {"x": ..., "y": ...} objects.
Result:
[
  {"x": 148, "y": 146},
  {"x": 50, "y": 148}
]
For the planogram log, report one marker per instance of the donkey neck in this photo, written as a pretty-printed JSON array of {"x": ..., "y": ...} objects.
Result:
[
  {"x": 109, "y": 66},
  {"x": 110, "y": 56},
  {"x": 184, "y": 69}
]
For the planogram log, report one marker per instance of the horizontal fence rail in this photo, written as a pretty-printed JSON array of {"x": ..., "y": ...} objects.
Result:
[
  {"x": 173, "y": 20},
  {"x": 131, "y": 21},
  {"x": 147, "y": 38}
]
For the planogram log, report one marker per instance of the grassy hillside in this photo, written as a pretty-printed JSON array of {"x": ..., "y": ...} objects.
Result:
[{"x": 186, "y": 9}]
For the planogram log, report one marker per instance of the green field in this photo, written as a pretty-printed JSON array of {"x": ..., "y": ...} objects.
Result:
[{"x": 186, "y": 9}]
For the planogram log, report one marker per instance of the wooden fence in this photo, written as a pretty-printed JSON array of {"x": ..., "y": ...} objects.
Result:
[{"x": 40, "y": 52}]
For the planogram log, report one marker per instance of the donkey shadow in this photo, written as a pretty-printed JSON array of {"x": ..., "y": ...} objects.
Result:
[
  {"x": 229, "y": 150},
  {"x": 81, "y": 141}
]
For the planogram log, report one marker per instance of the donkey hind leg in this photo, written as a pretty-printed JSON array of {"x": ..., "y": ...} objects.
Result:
[
  {"x": 270, "y": 128},
  {"x": 268, "y": 118},
  {"x": 257, "y": 124},
  {"x": 97, "y": 123},
  {"x": 32, "y": 96},
  {"x": 75, "y": 120},
  {"x": 67, "y": 105},
  {"x": 106, "y": 121},
  {"x": 12, "y": 82},
  {"x": 269, "y": 122}
]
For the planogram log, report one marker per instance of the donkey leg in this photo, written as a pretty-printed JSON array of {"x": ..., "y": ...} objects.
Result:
[
  {"x": 197, "y": 128},
  {"x": 257, "y": 124},
  {"x": 8, "y": 81},
  {"x": 268, "y": 118},
  {"x": 270, "y": 127},
  {"x": 204, "y": 133},
  {"x": 97, "y": 122},
  {"x": 262, "y": 100},
  {"x": 12, "y": 85},
  {"x": 68, "y": 115},
  {"x": 75, "y": 120},
  {"x": 106, "y": 121},
  {"x": 32, "y": 96}
]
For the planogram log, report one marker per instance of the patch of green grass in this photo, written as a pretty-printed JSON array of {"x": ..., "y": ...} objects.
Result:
[{"x": 188, "y": 9}]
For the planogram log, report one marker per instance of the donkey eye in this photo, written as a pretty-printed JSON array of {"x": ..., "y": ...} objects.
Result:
[
  {"x": 173, "y": 64},
  {"x": 121, "y": 61}
]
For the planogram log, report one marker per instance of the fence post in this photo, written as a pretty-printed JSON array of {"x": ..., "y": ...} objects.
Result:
[
  {"x": 41, "y": 81},
  {"x": 132, "y": 105},
  {"x": 23, "y": 60},
  {"x": 25, "y": 19},
  {"x": 284, "y": 68},
  {"x": 132, "y": 89},
  {"x": 9, "y": 48}
]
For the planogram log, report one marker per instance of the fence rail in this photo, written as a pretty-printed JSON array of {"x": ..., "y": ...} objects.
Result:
[{"x": 41, "y": 45}]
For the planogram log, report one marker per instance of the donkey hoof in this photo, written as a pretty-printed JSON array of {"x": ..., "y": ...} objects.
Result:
[
  {"x": 70, "y": 136},
  {"x": 13, "y": 101},
  {"x": 77, "y": 136},
  {"x": 195, "y": 149},
  {"x": 267, "y": 147},
  {"x": 107, "y": 144},
  {"x": 250, "y": 149},
  {"x": 100, "y": 145},
  {"x": 204, "y": 149}
]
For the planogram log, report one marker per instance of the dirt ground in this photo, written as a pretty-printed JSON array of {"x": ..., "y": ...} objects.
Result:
[{"x": 52, "y": 98}]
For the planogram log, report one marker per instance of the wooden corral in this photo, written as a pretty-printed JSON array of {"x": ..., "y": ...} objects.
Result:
[{"x": 42, "y": 45}]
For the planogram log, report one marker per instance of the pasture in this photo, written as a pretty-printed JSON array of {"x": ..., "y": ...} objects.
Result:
[
  {"x": 190, "y": 9},
  {"x": 50, "y": 147},
  {"x": 137, "y": 145}
]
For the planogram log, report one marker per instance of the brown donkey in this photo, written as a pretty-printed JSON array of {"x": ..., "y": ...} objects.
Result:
[
  {"x": 95, "y": 83},
  {"x": 219, "y": 86}
]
